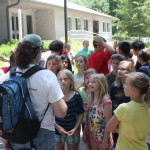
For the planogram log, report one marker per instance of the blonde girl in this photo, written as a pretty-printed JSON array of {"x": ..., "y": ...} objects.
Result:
[
  {"x": 132, "y": 119},
  {"x": 99, "y": 113},
  {"x": 116, "y": 91},
  {"x": 54, "y": 63},
  {"x": 84, "y": 91},
  {"x": 81, "y": 63},
  {"x": 66, "y": 127}
]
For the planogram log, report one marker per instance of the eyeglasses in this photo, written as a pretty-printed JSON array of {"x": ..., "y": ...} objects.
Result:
[
  {"x": 63, "y": 79},
  {"x": 122, "y": 69},
  {"x": 115, "y": 63}
]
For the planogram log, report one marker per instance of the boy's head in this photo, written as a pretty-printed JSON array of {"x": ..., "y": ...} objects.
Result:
[
  {"x": 95, "y": 44},
  {"x": 116, "y": 59},
  {"x": 136, "y": 46},
  {"x": 67, "y": 47},
  {"x": 85, "y": 44},
  {"x": 56, "y": 47},
  {"x": 144, "y": 56},
  {"x": 124, "y": 48}
]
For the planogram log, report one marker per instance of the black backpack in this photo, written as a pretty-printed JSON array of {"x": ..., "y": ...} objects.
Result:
[{"x": 18, "y": 120}]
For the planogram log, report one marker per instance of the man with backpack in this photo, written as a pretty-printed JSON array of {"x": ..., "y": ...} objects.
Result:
[{"x": 45, "y": 93}]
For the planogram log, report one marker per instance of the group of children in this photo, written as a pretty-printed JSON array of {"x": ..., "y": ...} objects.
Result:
[{"x": 117, "y": 103}]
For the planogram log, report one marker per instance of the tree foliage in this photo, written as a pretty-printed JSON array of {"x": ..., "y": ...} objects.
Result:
[
  {"x": 97, "y": 5},
  {"x": 133, "y": 17}
]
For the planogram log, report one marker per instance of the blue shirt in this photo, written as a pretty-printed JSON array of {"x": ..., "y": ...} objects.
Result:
[{"x": 85, "y": 52}]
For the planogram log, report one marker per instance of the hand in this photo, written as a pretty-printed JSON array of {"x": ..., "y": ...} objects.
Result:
[
  {"x": 6, "y": 145},
  {"x": 63, "y": 131},
  {"x": 104, "y": 145},
  {"x": 2, "y": 58},
  {"x": 98, "y": 40},
  {"x": 85, "y": 134},
  {"x": 71, "y": 132},
  {"x": 0, "y": 132}
]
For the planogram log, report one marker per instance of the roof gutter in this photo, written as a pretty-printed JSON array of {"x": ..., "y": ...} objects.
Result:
[{"x": 7, "y": 13}]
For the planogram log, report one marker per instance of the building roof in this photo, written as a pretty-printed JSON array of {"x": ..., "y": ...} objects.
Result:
[{"x": 60, "y": 3}]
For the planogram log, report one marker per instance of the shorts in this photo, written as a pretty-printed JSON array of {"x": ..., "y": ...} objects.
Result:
[
  {"x": 45, "y": 140},
  {"x": 66, "y": 138}
]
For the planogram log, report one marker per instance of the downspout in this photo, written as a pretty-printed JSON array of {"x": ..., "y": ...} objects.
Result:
[{"x": 7, "y": 13}]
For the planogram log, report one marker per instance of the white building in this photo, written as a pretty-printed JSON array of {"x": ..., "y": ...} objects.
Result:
[{"x": 46, "y": 18}]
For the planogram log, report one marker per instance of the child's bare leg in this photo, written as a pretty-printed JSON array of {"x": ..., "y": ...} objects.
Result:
[
  {"x": 73, "y": 146},
  {"x": 60, "y": 146}
]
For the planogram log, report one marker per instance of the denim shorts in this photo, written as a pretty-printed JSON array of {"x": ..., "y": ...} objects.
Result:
[
  {"x": 66, "y": 138},
  {"x": 45, "y": 140}
]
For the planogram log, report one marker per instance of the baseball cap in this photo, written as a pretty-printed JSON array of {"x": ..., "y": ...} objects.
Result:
[{"x": 34, "y": 39}]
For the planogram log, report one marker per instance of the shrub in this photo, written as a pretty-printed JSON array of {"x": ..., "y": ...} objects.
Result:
[{"x": 147, "y": 45}]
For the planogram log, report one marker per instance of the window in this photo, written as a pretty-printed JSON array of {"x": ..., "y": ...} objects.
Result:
[
  {"x": 29, "y": 24},
  {"x": 69, "y": 23},
  {"x": 104, "y": 27},
  {"x": 12, "y": 20},
  {"x": 86, "y": 24},
  {"x": 78, "y": 24},
  {"x": 108, "y": 27},
  {"x": 17, "y": 28},
  {"x": 13, "y": 36},
  {"x": 17, "y": 36}
]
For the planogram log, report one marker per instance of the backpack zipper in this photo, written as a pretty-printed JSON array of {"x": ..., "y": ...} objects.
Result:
[
  {"x": 19, "y": 84},
  {"x": 9, "y": 110}
]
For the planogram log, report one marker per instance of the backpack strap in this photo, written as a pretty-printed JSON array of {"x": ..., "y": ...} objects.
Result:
[
  {"x": 13, "y": 71},
  {"x": 44, "y": 113},
  {"x": 32, "y": 70}
]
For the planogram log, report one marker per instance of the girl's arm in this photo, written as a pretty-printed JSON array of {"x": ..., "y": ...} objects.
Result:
[
  {"x": 108, "y": 115},
  {"x": 113, "y": 124},
  {"x": 79, "y": 120},
  {"x": 60, "y": 129}
]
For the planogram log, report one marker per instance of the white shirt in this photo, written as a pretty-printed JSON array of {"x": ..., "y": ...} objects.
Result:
[{"x": 44, "y": 88}]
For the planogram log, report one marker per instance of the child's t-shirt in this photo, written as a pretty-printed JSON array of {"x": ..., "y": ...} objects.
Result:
[
  {"x": 134, "y": 123},
  {"x": 78, "y": 80},
  {"x": 84, "y": 97},
  {"x": 75, "y": 107}
]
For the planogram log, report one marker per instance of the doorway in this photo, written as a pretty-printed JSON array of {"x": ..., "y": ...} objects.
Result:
[{"x": 95, "y": 27}]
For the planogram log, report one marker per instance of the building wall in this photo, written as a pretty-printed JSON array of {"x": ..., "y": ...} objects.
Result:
[
  {"x": 3, "y": 21},
  {"x": 25, "y": 13},
  {"x": 49, "y": 23},
  {"x": 60, "y": 29},
  {"x": 45, "y": 24},
  {"x": 90, "y": 17},
  {"x": 59, "y": 23}
]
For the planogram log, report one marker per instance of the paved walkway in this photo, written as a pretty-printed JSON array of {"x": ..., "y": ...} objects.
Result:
[{"x": 82, "y": 144}]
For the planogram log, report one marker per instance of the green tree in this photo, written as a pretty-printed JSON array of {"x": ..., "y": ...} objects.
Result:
[
  {"x": 133, "y": 17},
  {"x": 97, "y": 5}
]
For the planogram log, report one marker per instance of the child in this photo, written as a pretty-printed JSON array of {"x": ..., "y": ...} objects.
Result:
[
  {"x": 85, "y": 50},
  {"x": 143, "y": 59},
  {"x": 66, "y": 64},
  {"x": 54, "y": 63},
  {"x": 84, "y": 91},
  {"x": 132, "y": 119},
  {"x": 67, "y": 48},
  {"x": 136, "y": 46},
  {"x": 116, "y": 90},
  {"x": 115, "y": 60},
  {"x": 99, "y": 113},
  {"x": 66, "y": 128},
  {"x": 81, "y": 62}
]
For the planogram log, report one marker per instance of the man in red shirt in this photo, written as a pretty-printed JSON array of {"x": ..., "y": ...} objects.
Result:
[{"x": 101, "y": 55}]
